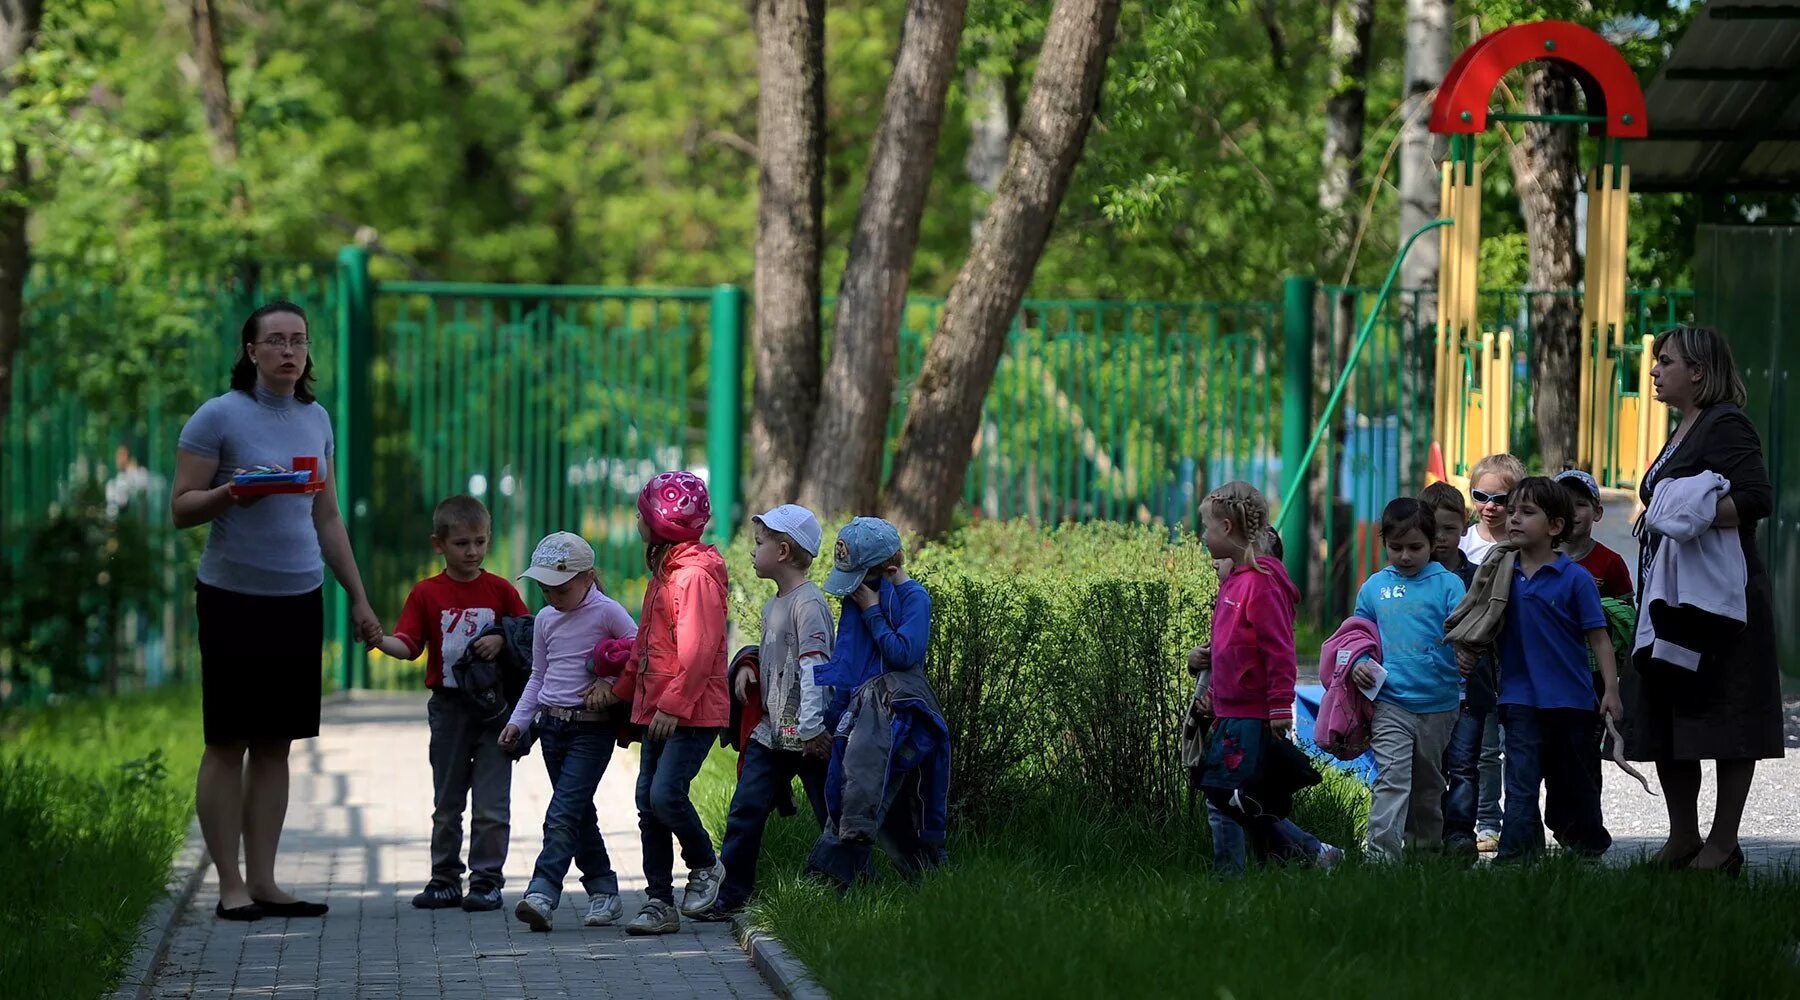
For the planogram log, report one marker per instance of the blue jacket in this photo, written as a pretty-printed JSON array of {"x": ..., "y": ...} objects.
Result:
[
  {"x": 1409, "y": 612},
  {"x": 891, "y": 635},
  {"x": 895, "y": 728}
]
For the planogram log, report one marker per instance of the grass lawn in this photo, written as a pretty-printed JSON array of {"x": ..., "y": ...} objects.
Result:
[
  {"x": 95, "y": 797},
  {"x": 1057, "y": 901}
]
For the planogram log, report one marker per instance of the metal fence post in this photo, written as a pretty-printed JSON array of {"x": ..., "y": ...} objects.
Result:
[
  {"x": 354, "y": 434},
  {"x": 1296, "y": 417},
  {"x": 725, "y": 408}
]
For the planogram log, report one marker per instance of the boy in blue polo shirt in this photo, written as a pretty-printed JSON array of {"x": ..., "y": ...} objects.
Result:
[{"x": 1547, "y": 704}]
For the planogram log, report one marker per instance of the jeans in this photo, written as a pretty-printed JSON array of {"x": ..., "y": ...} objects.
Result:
[
  {"x": 575, "y": 755},
  {"x": 846, "y": 861},
  {"x": 664, "y": 811},
  {"x": 1407, "y": 800},
  {"x": 1462, "y": 774},
  {"x": 467, "y": 762},
  {"x": 765, "y": 775},
  {"x": 1550, "y": 747},
  {"x": 1228, "y": 841},
  {"x": 1489, "y": 814}
]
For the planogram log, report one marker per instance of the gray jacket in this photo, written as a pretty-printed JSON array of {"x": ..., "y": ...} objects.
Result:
[
  {"x": 1694, "y": 590},
  {"x": 893, "y": 725}
]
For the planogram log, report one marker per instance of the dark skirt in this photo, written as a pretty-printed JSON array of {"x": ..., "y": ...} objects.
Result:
[
  {"x": 260, "y": 661},
  {"x": 1729, "y": 709}
]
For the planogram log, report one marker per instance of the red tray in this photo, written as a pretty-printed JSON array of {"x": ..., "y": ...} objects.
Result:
[{"x": 273, "y": 489}]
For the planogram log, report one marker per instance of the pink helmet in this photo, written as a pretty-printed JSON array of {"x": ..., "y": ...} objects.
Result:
[{"x": 675, "y": 506}]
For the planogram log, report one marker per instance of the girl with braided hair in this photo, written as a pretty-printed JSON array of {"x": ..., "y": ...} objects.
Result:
[{"x": 1251, "y": 771}]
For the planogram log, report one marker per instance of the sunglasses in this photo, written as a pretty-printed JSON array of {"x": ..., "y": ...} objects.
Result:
[{"x": 1483, "y": 497}]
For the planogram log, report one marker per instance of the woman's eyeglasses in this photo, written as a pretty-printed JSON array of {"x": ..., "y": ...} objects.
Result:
[
  {"x": 1483, "y": 497},
  {"x": 283, "y": 343}
]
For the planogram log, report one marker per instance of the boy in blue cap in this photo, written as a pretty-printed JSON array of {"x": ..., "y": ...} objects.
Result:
[{"x": 894, "y": 792}]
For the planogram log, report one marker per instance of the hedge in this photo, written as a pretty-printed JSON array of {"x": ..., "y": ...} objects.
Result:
[{"x": 1058, "y": 656}]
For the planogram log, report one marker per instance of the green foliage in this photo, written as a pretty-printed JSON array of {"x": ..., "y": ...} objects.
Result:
[
  {"x": 95, "y": 796},
  {"x": 63, "y": 606},
  {"x": 613, "y": 143}
]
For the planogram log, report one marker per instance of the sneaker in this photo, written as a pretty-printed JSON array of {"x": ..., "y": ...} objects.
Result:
[
  {"x": 482, "y": 897},
  {"x": 702, "y": 890},
  {"x": 535, "y": 909},
  {"x": 1487, "y": 841},
  {"x": 603, "y": 908},
  {"x": 1329, "y": 857},
  {"x": 1462, "y": 847},
  {"x": 657, "y": 917},
  {"x": 438, "y": 896}
]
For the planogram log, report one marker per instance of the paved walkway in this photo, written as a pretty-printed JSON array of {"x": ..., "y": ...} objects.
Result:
[{"x": 357, "y": 836}]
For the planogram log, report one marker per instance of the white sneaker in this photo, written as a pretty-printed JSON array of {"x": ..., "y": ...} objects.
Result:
[
  {"x": 535, "y": 909},
  {"x": 702, "y": 890},
  {"x": 657, "y": 917},
  {"x": 603, "y": 909},
  {"x": 1329, "y": 857}
]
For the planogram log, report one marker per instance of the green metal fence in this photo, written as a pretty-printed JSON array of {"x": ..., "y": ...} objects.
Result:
[
  {"x": 1116, "y": 410},
  {"x": 554, "y": 403}
]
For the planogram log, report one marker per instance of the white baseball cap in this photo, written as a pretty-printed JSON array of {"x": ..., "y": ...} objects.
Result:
[
  {"x": 797, "y": 523},
  {"x": 560, "y": 557}
]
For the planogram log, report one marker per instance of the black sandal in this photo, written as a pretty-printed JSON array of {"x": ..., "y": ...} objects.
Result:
[
  {"x": 239, "y": 913},
  {"x": 297, "y": 908}
]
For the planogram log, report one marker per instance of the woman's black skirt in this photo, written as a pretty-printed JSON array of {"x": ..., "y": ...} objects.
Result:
[{"x": 260, "y": 660}]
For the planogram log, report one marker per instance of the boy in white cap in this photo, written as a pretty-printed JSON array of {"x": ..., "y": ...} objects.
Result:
[
  {"x": 791, "y": 740},
  {"x": 576, "y": 741}
]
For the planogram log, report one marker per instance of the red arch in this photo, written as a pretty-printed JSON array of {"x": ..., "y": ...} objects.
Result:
[{"x": 1607, "y": 81}]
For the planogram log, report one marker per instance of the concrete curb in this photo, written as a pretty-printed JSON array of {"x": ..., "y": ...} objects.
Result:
[
  {"x": 784, "y": 973},
  {"x": 157, "y": 930}
]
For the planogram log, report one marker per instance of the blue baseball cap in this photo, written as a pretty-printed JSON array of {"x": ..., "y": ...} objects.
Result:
[
  {"x": 862, "y": 545},
  {"x": 1582, "y": 479}
]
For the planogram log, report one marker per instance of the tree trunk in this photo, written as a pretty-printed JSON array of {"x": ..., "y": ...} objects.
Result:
[
  {"x": 215, "y": 96},
  {"x": 18, "y": 31},
  {"x": 959, "y": 366},
  {"x": 843, "y": 465},
  {"x": 1345, "y": 114},
  {"x": 790, "y": 127},
  {"x": 1429, "y": 34},
  {"x": 1547, "y": 174}
]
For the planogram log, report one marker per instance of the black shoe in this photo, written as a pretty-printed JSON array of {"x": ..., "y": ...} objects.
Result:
[
  {"x": 718, "y": 913},
  {"x": 483, "y": 896},
  {"x": 240, "y": 913},
  {"x": 439, "y": 896},
  {"x": 297, "y": 908}
]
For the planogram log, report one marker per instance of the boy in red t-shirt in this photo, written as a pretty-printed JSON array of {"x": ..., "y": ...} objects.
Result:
[
  {"x": 1606, "y": 566},
  {"x": 444, "y": 616}
]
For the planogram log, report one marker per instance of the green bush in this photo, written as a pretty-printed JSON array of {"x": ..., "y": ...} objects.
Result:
[
  {"x": 95, "y": 796},
  {"x": 1058, "y": 656}
]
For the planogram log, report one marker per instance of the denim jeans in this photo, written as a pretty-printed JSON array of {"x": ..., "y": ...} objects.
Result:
[
  {"x": 575, "y": 755},
  {"x": 1473, "y": 775},
  {"x": 847, "y": 861},
  {"x": 666, "y": 814},
  {"x": 467, "y": 762},
  {"x": 1489, "y": 814},
  {"x": 1550, "y": 747},
  {"x": 765, "y": 775},
  {"x": 1228, "y": 841}
]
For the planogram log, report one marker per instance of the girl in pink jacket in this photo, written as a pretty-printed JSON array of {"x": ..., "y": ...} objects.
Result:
[
  {"x": 676, "y": 683},
  {"x": 1253, "y": 673}
]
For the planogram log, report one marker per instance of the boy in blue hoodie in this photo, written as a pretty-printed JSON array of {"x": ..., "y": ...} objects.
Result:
[
  {"x": 885, "y": 627},
  {"x": 1416, "y": 707}
]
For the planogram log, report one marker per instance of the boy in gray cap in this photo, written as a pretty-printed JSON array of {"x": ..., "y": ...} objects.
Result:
[{"x": 792, "y": 739}]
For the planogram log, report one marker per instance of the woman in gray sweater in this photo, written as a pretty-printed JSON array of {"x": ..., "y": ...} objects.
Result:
[{"x": 259, "y": 600}]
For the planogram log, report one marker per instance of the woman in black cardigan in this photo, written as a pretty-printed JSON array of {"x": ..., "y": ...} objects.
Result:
[{"x": 1729, "y": 710}]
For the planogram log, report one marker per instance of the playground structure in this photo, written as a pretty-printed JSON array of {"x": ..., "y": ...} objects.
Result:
[{"x": 1621, "y": 428}]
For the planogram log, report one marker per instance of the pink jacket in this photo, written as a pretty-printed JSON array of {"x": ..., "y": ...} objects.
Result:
[
  {"x": 678, "y": 664},
  {"x": 1344, "y": 727},
  {"x": 1253, "y": 661}
]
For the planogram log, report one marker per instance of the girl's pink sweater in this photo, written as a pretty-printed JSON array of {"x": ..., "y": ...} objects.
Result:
[{"x": 1254, "y": 668}]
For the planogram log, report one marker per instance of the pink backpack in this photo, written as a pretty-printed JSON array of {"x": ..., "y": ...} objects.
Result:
[{"x": 1345, "y": 723}]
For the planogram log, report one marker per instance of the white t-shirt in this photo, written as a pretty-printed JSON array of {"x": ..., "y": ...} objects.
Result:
[{"x": 1475, "y": 548}]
